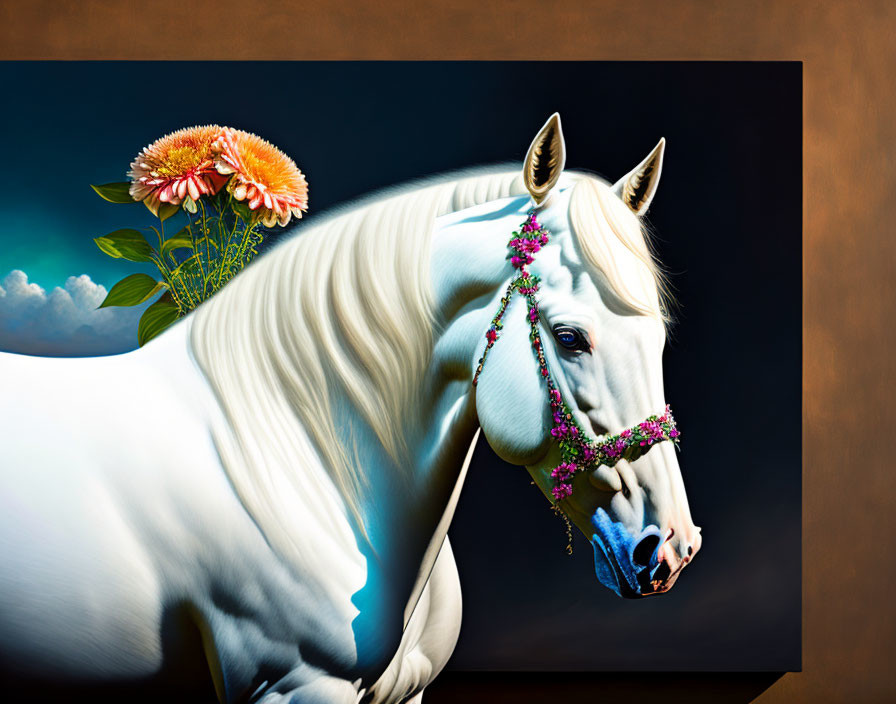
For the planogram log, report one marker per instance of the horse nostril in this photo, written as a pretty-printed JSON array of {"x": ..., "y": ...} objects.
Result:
[
  {"x": 662, "y": 572},
  {"x": 644, "y": 550}
]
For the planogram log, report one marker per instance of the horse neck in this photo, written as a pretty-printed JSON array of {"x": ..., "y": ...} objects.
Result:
[
  {"x": 469, "y": 272},
  {"x": 407, "y": 502}
]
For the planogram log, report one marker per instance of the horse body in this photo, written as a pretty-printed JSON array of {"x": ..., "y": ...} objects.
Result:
[
  {"x": 82, "y": 514},
  {"x": 111, "y": 537},
  {"x": 115, "y": 552},
  {"x": 271, "y": 481}
]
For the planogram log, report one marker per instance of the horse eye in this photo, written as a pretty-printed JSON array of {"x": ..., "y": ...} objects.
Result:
[{"x": 571, "y": 338}]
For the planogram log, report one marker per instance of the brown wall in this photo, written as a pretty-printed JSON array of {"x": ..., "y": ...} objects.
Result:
[{"x": 849, "y": 50}]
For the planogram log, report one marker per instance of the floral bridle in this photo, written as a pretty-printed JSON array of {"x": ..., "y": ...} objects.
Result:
[{"x": 578, "y": 453}]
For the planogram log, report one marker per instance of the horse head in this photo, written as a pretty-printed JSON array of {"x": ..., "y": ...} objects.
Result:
[{"x": 570, "y": 383}]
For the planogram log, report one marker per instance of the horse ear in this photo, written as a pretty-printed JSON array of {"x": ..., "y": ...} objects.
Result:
[
  {"x": 545, "y": 160},
  {"x": 637, "y": 187}
]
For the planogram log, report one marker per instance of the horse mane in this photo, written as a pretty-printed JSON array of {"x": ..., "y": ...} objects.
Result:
[
  {"x": 343, "y": 308},
  {"x": 618, "y": 247}
]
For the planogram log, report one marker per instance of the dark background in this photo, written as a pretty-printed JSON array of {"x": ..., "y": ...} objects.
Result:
[{"x": 728, "y": 219}]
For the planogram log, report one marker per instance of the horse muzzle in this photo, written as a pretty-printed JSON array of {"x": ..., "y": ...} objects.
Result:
[{"x": 635, "y": 565}]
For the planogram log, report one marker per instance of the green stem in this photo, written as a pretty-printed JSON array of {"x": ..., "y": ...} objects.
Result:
[
  {"x": 208, "y": 261},
  {"x": 197, "y": 251},
  {"x": 241, "y": 252},
  {"x": 223, "y": 240},
  {"x": 226, "y": 261},
  {"x": 165, "y": 271},
  {"x": 158, "y": 235},
  {"x": 175, "y": 296},
  {"x": 187, "y": 292}
]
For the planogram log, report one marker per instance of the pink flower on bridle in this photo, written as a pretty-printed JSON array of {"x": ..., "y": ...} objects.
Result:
[{"x": 578, "y": 452}]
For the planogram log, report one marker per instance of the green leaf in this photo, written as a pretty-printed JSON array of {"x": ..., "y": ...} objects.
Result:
[
  {"x": 156, "y": 318},
  {"x": 126, "y": 244},
  {"x": 114, "y": 192},
  {"x": 132, "y": 290},
  {"x": 189, "y": 205},
  {"x": 166, "y": 210},
  {"x": 241, "y": 209},
  {"x": 181, "y": 240}
]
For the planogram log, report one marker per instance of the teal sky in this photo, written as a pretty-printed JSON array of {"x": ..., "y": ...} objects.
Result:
[
  {"x": 70, "y": 128},
  {"x": 50, "y": 247}
]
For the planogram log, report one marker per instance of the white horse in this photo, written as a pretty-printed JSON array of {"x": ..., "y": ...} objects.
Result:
[{"x": 278, "y": 471}]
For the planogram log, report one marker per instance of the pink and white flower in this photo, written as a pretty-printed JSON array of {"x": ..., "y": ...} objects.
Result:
[
  {"x": 178, "y": 165},
  {"x": 264, "y": 177}
]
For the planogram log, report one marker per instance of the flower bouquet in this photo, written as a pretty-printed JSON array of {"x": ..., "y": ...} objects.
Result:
[{"x": 230, "y": 185}]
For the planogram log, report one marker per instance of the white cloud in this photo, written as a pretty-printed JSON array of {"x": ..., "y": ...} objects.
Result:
[{"x": 65, "y": 321}]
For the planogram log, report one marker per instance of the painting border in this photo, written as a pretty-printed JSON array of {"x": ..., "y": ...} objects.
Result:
[{"x": 847, "y": 50}]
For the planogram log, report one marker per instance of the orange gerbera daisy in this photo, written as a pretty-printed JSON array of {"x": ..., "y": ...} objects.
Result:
[
  {"x": 175, "y": 166},
  {"x": 265, "y": 177}
]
